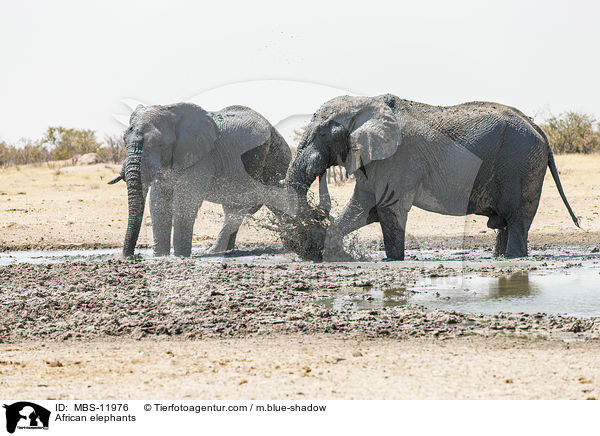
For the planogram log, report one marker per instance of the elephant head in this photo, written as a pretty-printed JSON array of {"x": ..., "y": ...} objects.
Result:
[
  {"x": 348, "y": 131},
  {"x": 160, "y": 139}
]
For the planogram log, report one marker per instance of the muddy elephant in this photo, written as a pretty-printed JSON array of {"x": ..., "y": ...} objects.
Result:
[
  {"x": 187, "y": 155},
  {"x": 474, "y": 158}
]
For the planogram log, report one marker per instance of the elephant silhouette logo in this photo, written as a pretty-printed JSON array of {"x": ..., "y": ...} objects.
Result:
[{"x": 26, "y": 415}]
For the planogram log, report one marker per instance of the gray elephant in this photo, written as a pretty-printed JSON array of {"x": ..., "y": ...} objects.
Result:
[
  {"x": 474, "y": 158},
  {"x": 233, "y": 157}
]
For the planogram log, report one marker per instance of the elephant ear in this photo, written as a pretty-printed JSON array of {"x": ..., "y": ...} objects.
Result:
[
  {"x": 196, "y": 134},
  {"x": 374, "y": 135}
]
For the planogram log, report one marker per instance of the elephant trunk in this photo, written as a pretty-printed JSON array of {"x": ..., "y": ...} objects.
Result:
[
  {"x": 306, "y": 234},
  {"x": 298, "y": 184},
  {"x": 305, "y": 168},
  {"x": 136, "y": 201}
]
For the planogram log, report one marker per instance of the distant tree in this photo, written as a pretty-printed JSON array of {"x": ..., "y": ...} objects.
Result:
[
  {"x": 113, "y": 149},
  {"x": 32, "y": 152},
  {"x": 4, "y": 153},
  {"x": 67, "y": 143},
  {"x": 27, "y": 151},
  {"x": 572, "y": 132},
  {"x": 298, "y": 133}
]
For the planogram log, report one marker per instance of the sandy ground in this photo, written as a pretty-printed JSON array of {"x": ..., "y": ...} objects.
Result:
[
  {"x": 105, "y": 327},
  {"x": 302, "y": 367},
  {"x": 52, "y": 206}
]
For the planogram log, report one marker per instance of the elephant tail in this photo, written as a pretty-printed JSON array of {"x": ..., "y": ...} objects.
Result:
[{"x": 554, "y": 171}]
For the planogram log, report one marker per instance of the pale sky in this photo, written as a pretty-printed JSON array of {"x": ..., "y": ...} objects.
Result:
[{"x": 78, "y": 64}]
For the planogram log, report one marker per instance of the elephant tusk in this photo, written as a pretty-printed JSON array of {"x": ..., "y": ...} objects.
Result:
[{"x": 115, "y": 180}]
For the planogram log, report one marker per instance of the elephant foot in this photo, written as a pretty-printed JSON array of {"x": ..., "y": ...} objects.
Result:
[
  {"x": 187, "y": 252},
  {"x": 392, "y": 259},
  {"x": 515, "y": 255},
  {"x": 337, "y": 255},
  {"x": 215, "y": 249},
  {"x": 223, "y": 243}
]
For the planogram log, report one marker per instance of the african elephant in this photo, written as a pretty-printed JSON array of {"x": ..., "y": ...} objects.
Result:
[
  {"x": 233, "y": 157},
  {"x": 474, "y": 158}
]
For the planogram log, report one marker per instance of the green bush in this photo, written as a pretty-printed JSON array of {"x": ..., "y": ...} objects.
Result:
[
  {"x": 68, "y": 143},
  {"x": 572, "y": 132}
]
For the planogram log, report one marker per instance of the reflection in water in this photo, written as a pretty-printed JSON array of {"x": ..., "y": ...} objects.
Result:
[
  {"x": 368, "y": 298},
  {"x": 514, "y": 285},
  {"x": 395, "y": 296},
  {"x": 575, "y": 292}
]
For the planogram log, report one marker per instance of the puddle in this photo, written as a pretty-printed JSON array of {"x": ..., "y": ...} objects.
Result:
[
  {"x": 54, "y": 256},
  {"x": 241, "y": 255},
  {"x": 558, "y": 286},
  {"x": 573, "y": 292},
  {"x": 367, "y": 299},
  {"x": 446, "y": 257}
]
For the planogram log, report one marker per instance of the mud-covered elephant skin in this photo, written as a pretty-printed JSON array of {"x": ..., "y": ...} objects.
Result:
[
  {"x": 187, "y": 155},
  {"x": 474, "y": 158}
]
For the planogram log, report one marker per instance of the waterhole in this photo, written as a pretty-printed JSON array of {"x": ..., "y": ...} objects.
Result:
[
  {"x": 566, "y": 281},
  {"x": 573, "y": 292}
]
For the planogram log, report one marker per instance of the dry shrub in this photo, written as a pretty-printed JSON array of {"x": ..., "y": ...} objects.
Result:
[{"x": 572, "y": 132}]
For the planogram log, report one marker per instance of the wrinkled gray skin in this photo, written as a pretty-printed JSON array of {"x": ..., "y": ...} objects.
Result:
[
  {"x": 474, "y": 158},
  {"x": 187, "y": 155}
]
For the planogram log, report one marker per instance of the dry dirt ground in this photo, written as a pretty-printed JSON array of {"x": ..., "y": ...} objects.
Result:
[
  {"x": 302, "y": 367},
  {"x": 201, "y": 328}
]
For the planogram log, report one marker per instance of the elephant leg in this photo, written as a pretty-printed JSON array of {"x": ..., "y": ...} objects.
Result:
[
  {"x": 393, "y": 228},
  {"x": 231, "y": 224},
  {"x": 496, "y": 222},
  {"x": 392, "y": 210},
  {"x": 516, "y": 245},
  {"x": 518, "y": 227},
  {"x": 501, "y": 242},
  {"x": 161, "y": 210},
  {"x": 186, "y": 203},
  {"x": 520, "y": 217},
  {"x": 354, "y": 216},
  {"x": 183, "y": 230}
]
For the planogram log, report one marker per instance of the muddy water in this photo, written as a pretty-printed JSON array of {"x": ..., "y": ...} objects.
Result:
[
  {"x": 566, "y": 281},
  {"x": 246, "y": 255},
  {"x": 53, "y": 256},
  {"x": 574, "y": 293}
]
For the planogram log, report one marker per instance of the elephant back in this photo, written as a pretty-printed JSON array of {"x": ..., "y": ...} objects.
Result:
[
  {"x": 247, "y": 141},
  {"x": 275, "y": 159}
]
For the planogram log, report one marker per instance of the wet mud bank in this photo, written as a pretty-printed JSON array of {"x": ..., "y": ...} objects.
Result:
[{"x": 247, "y": 296}]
